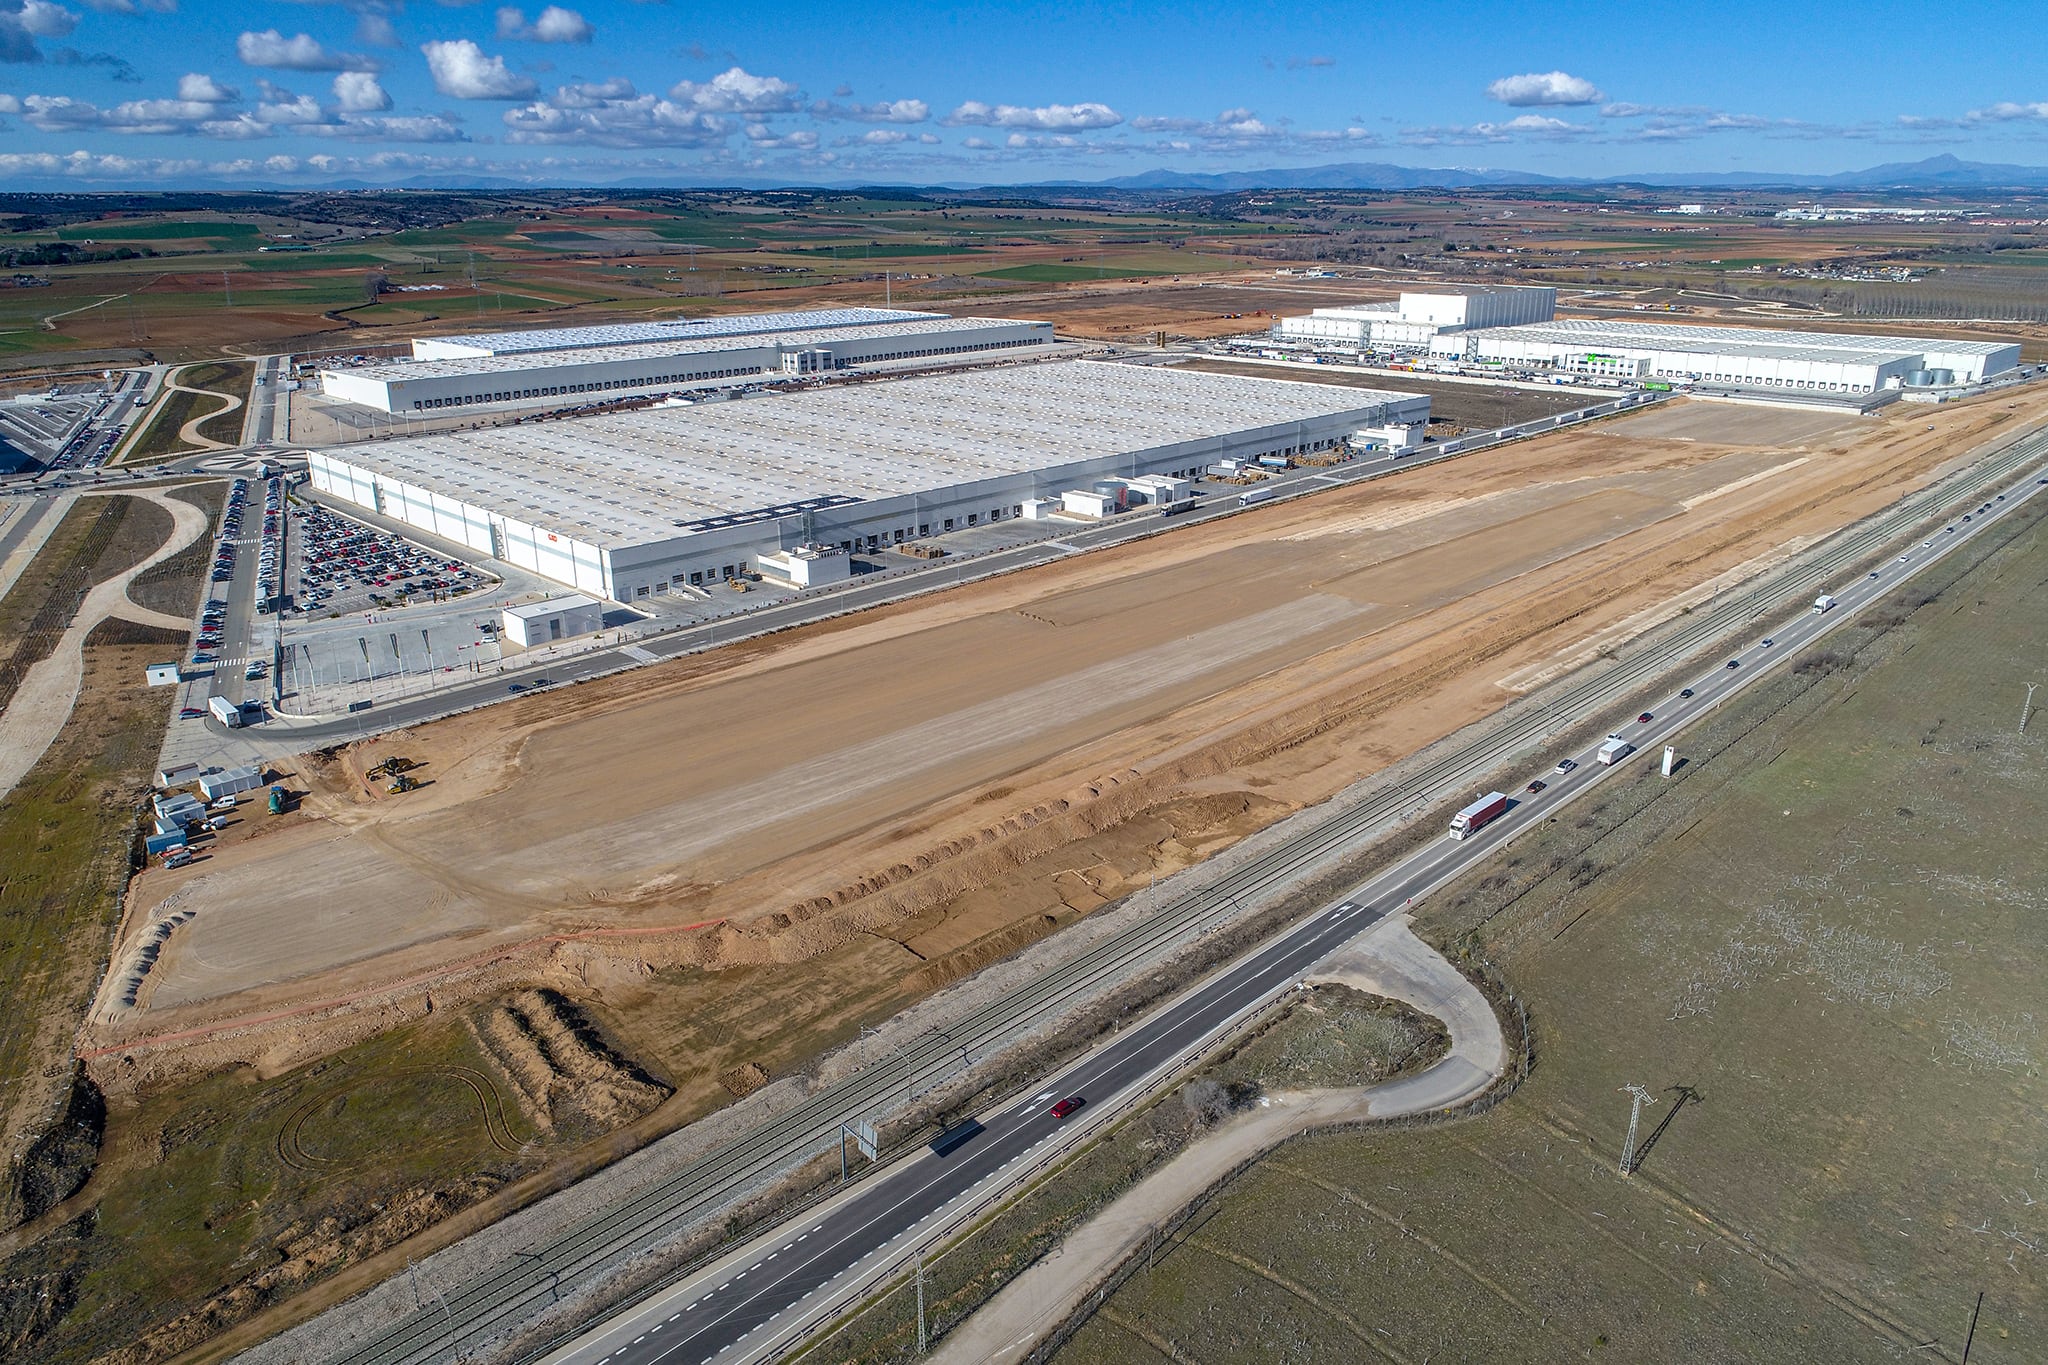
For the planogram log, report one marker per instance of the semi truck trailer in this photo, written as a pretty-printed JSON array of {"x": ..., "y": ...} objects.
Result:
[{"x": 1479, "y": 815}]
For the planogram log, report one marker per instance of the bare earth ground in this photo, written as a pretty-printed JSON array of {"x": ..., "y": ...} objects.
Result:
[{"x": 896, "y": 798}]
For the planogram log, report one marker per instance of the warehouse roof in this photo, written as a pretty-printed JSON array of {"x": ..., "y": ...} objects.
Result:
[
  {"x": 520, "y": 362},
  {"x": 1761, "y": 342},
  {"x": 676, "y": 329},
  {"x": 533, "y": 611},
  {"x": 621, "y": 479}
]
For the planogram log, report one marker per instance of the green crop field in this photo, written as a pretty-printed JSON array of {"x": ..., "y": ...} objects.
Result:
[
  {"x": 162, "y": 230},
  {"x": 1828, "y": 929}
]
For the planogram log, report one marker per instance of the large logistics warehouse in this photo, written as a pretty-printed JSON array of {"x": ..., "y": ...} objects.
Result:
[
  {"x": 627, "y": 505},
  {"x": 549, "y": 377},
  {"x": 1415, "y": 319},
  {"x": 1741, "y": 357},
  {"x": 475, "y": 344}
]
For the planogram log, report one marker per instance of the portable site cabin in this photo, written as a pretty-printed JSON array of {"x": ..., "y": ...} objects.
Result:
[
  {"x": 217, "y": 785},
  {"x": 162, "y": 675}
]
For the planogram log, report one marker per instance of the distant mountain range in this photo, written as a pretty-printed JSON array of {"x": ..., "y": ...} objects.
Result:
[{"x": 1936, "y": 173}]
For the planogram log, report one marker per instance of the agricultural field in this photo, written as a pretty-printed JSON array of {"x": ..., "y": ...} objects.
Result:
[
  {"x": 201, "y": 276},
  {"x": 1818, "y": 949}
]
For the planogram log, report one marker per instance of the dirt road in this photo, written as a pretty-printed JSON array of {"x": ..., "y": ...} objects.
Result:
[{"x": 1387, "y": 961}]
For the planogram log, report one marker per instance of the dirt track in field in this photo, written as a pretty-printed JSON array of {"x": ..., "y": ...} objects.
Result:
[{"x": 904, "y": 782}]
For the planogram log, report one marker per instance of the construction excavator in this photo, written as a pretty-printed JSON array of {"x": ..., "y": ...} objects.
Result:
[
  {"x": 392, "y": 767},
  {"x": 401, "y": 783}
]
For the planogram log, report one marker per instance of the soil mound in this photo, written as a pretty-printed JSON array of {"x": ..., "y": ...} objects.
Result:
[{"x": 567, "y": 1076}]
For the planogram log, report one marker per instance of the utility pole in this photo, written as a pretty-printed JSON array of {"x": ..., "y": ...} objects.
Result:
[
  {"x": 1638, "y": 1097},
  {"x": 227, "y": 289}
]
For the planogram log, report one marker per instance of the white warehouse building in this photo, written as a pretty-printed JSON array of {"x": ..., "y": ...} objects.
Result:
[
  {"x": 1411, "y": 322},
  {"x": 1744, "y": 357},
  {"x": 628, "y": 505},
  {"x": 474, "y": 344},
  {"x": 528, "y": 378}
]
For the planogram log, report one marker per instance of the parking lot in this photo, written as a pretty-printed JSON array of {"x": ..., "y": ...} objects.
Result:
[{"x": 339, "y": 565}]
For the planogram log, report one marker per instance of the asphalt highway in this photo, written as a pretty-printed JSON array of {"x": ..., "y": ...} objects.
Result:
[{"x": 723, "y": 1318}]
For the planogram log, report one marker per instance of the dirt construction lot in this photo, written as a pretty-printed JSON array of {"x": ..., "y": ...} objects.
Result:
[{"x": 901, "y": 796}]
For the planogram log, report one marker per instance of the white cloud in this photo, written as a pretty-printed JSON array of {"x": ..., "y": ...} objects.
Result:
[
  {"x": 463, "y": 71},
  {"x": 739, "y": 92},
  {"x": 632, "y": 121},
  {"x": 300, "y": 52},
  {"x": 203, "y": 89},
  {"x": 1049, "y": 116},
  {"x": 888, "y": 111},
  {"x": 554, "y": 25},
  {"x": 22, "y": 22},
  {"x": 1520, "y": 128},
  {"x": 1544, "y": 88},
  {"x": 883, "y": 137},
  {"x": 763, "y": 138},
  {"x": 376, "y": 30},
  {"x": 302, "y": 110},
  {"x": 592, "y": 94},
  {"x": 379, "y": 128},
  {"x": 359, "y": 92},
  {"x": 2006, "y": 111}
]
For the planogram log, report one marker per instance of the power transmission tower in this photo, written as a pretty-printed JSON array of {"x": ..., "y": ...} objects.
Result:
[
  {"x": 2027, "y": 709},
  {"x": 1638, "y": 1097},
  {"x": 923, "y": 1342},
  {"x": 227, "y": 289}
]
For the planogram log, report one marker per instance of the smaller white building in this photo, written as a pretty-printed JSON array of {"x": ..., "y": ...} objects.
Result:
[
  {"x": 1418, "y": 318},
  {"x": 162, "y": 675},
  {"x": 1086, "y": 502},
  {"x": 235, "y": 780},
  {"x": 557, "y": 618},
  {"x": 808, "y": 566},
  {"x": 1161, "y": 489}
]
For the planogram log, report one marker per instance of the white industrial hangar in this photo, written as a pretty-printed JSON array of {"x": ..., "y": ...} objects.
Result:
[
  {"x": 1747, "y": 357},
  {"x": 471, "y": 345},
  {"x": 1415, "y": 319},
  {"x": 549, "y": 377},
  {"x": 628, "y": 505}
]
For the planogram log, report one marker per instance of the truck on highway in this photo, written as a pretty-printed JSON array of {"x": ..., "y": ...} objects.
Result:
[
  {"x": 1252, "y": 495},
  {"x": 1613, "y": 751},
  {"x": 1823, "y": 604},
  {"x": 1479, "y": 815}
]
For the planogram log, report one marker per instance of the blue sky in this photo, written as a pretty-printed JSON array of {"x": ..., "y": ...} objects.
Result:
[{"x": 165, "y": 92}]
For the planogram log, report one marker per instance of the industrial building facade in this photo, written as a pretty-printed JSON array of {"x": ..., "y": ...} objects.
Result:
[
  {"x": 628, "y": 505},
  {"x": 612, "y": 370},
  {"x": 1416, "y": 319},
  {"x": 476, "y": 345},
  {"x": 1743, "y": 357}
]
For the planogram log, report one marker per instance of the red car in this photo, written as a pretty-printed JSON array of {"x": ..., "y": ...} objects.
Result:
[
  {"x": 1067, "y": 1106},
  {"x": 1643, "y": 719}
]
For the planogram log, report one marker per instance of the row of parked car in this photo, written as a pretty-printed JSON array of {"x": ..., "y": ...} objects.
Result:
[
  {"x": 338, "y": 555},
  {"x": 230, "y": 531},
  {"x": 270, "y": 553}
]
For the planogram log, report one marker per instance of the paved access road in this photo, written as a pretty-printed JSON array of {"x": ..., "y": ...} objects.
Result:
[{"x": 740, "y": 1315}]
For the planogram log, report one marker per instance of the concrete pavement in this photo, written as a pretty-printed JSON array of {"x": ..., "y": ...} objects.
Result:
[{"x": 1386, "y": 960}]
